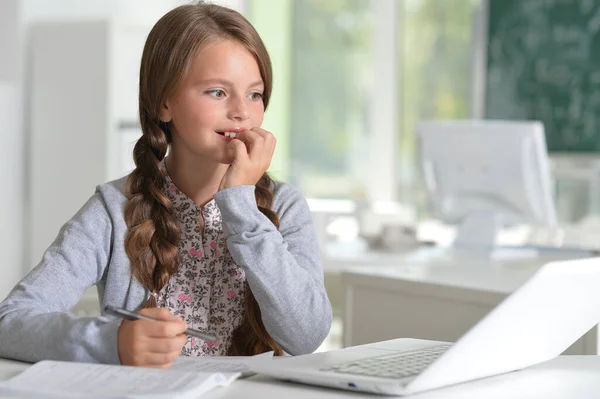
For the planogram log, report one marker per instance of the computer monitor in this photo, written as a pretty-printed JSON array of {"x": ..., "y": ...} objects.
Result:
[{"x": 483, "y": 175}]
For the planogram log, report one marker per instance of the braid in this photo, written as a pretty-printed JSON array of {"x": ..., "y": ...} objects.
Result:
[
  {"x": 153, "y": 232},
  {"x": 264, "y": 199},
  {"x": 251, "y": 337}
]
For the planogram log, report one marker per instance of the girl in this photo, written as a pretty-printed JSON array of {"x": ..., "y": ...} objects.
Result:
[{"x": 201, "y": 238}]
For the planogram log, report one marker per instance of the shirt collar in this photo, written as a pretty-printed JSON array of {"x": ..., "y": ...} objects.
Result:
[{"x": 184, "y": 205}]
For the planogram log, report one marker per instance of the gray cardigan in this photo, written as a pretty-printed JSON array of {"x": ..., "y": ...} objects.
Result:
[{"x": 282, "y": 268}]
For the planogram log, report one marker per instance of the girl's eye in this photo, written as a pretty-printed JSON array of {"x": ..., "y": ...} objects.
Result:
[
  {"x": 217, "y": 93},
  {"x": 256, "y": 96}
]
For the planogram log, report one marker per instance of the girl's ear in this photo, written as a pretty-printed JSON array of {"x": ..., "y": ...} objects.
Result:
[{"x": 165, "y": 113}]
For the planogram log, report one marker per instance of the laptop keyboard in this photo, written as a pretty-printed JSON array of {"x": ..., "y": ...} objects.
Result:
[{"x": 396, "y": 365}]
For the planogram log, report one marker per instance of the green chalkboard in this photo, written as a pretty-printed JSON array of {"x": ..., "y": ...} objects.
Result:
[{"x": 543, "y": 63}]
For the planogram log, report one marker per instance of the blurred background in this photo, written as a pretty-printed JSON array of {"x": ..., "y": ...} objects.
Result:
[{"x": 352, "y": 79}]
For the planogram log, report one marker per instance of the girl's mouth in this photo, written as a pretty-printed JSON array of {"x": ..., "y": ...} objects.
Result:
[{"x": 228, "y": 134}]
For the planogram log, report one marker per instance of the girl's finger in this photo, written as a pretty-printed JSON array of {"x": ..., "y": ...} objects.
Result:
[{"x": 239, "y": 151}]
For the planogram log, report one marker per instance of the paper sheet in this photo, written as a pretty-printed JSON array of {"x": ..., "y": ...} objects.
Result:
[
  {"x": 68, "y": 379},
  {"x": 213, "y": 364}
]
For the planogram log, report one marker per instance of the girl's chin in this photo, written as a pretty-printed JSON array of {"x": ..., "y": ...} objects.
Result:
[{"x": 225, "y": 159}]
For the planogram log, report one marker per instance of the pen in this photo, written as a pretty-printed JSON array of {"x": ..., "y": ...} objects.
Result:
[{"x": 129, "y": 315}]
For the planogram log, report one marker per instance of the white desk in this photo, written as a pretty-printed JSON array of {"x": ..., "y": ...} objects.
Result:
[
  {"x": 573, "y": 377},
  {"x": 339, "y": 256},
  {"x": 432, "y": 294}
]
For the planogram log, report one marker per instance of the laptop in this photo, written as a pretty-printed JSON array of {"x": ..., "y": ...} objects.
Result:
[{"x": 536, "y": 323}]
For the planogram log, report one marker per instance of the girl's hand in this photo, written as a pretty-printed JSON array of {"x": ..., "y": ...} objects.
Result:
[
  {"x": 151, "y": 343},
  {"x": 252, "y": 151}
]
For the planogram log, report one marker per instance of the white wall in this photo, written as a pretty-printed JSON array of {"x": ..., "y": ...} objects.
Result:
[
  {"x": 135, "y": 10},
  {"x": 131, "y": 10},
  {"x": 12, "y": 160},
  {"x": 12, "y": 195},
  {"x": 9, "y": 43}
]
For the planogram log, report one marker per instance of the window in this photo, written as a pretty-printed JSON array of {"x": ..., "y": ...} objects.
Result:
[
  {"x": 439, "y": 42},
  {"x": 361, "y": 74},
  {"x": 330, "y": 92}
]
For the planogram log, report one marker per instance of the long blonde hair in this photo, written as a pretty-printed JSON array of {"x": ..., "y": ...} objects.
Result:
[{"x": 152, "y": 241}]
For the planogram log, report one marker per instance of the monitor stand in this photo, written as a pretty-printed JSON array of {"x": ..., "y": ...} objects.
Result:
[
  {"x": 478, "y": 230},
  {"x": 478, "y": 233}
]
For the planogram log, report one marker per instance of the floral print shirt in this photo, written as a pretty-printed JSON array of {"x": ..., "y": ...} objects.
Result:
[{"x": 208, "y": 289}]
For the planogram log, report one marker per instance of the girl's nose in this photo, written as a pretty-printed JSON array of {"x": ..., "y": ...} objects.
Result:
[{"x": 238, "y": 110}]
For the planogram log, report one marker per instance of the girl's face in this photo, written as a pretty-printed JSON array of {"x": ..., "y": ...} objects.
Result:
[{"x": 221, "y": 93}]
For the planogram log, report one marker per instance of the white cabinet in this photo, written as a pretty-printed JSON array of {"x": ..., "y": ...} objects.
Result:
[
  {"x": 83, "y": 88},
  {"x": 438, "y": 299}
]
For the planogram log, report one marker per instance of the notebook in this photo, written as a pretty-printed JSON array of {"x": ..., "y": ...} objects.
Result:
[{"x": 188, "y": 378}]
